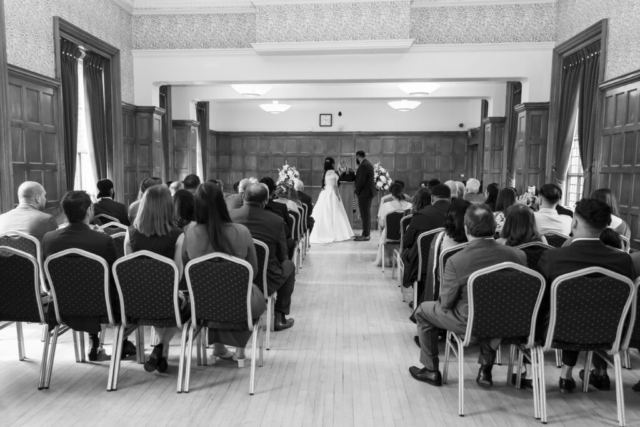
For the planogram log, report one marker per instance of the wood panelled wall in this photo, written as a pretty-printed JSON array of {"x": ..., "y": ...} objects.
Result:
[
  {"x": 185, "y": 139},
  {"x": 494, "y": 128},
  {"x": 531, "y": 145}
]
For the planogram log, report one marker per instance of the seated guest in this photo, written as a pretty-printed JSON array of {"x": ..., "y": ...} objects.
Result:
[
  {"x": 214, "y": 231},
  {"x": 590, "y": 219},
  {"x": 28, "y": 217},
  {"x": 460, "y": 187},
  {"x": 183, "y": 209},
  {"x": 520, "y": 227},
  {"x": 191, "y": 183},
  {"x": 153, "y": 231},
  {"x": 453, "y": 188},
  {"x": 450, "y": 312},
  {"x": 389, "y": 197},
  {"x": 269, "y": 229},
  {"x": 235, "y": 187},
  {"x": 454, "y": 224},
  {"x": 420, "y": 200},
  {"x": 144, "y": 186},
  {"x": 427, "y": 219},
  {"x": 305, "y": 199},
  {"x": 617, "y": 224},
  {"x": 398, "y": 203},
  {"x": 78, "y": 209},
  {"x": 491, "y": 194},
  {"x": 472, "y": 192},
  {"x": 106, "y": 205},
  {"x": 276, "y": 207},
  {"x": 612, "y": 239},
  {"x": 506, "y": 198},
  {"x": 282, "y": 196},
  {"x": 432, "y": 183},
  {"x": 176, "y": 186},
  {"x": 547, "y": 218},
  {"x": 235, "y": 200}
]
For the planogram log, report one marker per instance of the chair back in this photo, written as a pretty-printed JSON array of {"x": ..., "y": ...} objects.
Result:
[
  {"x": 295, "y": 233},
  {"x": 108, "y": 218},
  {"x": 79, "y": 283},
  {"x": 305, "y": 210},
  {"x": 220, "y": 291},
  {"x": 147, "y": 285},
  {"x": 626, "y": 244},
  {"x": 588, "y": 310},
  {"x": 394, "y": 228},
  {"x": 118, "y": 240},
  {"x": 504, "y": 300},
  {"x": 434, "y": 258},
  {"x": 25, "y": 243},
  {"x": 113, "y": 228},
  {"x": 404, "y": 224},
  {"x": 556, "y": 239},
  {"x": 303, "y": 220},
  {"x": 633, "y": 333},
  {"x": 534, "y": 251},
  {"x": 424, "y": 246},
  {"x": 445, "y": 255},
  {"x": 19, "y": 287},
  {"x": 262, "y": 252}
]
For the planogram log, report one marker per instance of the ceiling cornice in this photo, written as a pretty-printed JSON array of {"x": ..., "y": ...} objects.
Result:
[
  {"x": 191, "y": 7},
  {"x": 458, "y": 3},
  {"x": 334, "y": 47},
  {"x": 125, "y": 4}
]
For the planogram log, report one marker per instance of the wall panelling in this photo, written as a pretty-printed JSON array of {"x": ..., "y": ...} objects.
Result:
[
  {"x": 494, "y": 128},
  {"x": 531, "y": 145},
  {"x": 185, "y": 137}
]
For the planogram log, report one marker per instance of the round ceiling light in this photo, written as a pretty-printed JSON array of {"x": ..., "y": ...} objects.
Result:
[
  {"x": 275, "y": 107},
  {"x": 418, "y": 89},
  {"x": 251, "y": 90},
  {"x": 404, "y": 105}
]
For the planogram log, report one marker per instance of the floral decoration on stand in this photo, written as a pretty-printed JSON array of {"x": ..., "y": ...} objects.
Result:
[
  {"x": 381, "y": 177},
  {"x": 287, "y": 174}
]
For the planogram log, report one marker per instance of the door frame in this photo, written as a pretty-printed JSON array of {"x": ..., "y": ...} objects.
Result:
[{"x": 6, "y": 169}]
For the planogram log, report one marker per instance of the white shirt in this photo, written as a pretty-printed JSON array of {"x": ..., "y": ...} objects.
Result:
[{"x": 549, "y": 220}]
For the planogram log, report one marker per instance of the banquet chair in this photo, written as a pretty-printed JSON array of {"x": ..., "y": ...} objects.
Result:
[
  {"x": 424, "y": 246},
  {"x": 504, "y": 300},
  {"x": 262, "y": 252},
  {"x": 295, "y": 234},
  {"x": 626, "y": 244},
  {"x": 20, "y": 297},
  {"x": 220, "y": 291},
  {"x": 555, "y": 239},
  {"x": 302, "y": 244},
  {"x": 534, "y": 251},
  {"x": 397, "y": 253},
  {"x": 26, "y": 243},
  {"x": 147, "y": 285},
  {"x": 118, "y": 239},
  {"x": 442, "y": 263},
  {"x": 587, "y": 313},
  {"x": 114, "y": 228},
  {"x": 108, "y": 218},
  {"x": 306, "y": 228},
  {"x": 394, "y": 234},
  {"x": 80, "y": 287}
]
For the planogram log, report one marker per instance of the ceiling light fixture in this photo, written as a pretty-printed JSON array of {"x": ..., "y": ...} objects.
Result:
[
  {"x": 418, "y": 89},
  {"x": 251, "y": 90},
  {"x": 404, "y": 105},
  {"x": 275, "y": 107}
]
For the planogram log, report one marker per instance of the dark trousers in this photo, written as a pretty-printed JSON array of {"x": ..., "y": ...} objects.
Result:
[
  {"x": 365, "y": 213},
  {"x": 284, "y": 292},
  {"x": 570, "y": 358},
  {"x": 291, "y": 248}
]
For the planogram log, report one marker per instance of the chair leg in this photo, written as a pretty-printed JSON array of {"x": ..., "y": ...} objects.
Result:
[
  {"x": 460, "y": 377},
  {"x": 536, "y": 397},
  {"x": 45, "y": 333},
  {"x": 199, "y": 350},
  {"x": 112, "y": 364},
  {"x": 187, "y": 373},
  {"x": 619, "y": 390},
  {"x": 183, "y": 339},
  {"x": 45, "y": 360},
  {"x": 269, "y": 324},
  {"x": 512, "y": 353},
  {"x": 83, "y": 353},
  {"x": 52, "y": 355},
  {"x": 558, "y": 358},
  {"x": 76, "y": 345},
  {"x": 499, "y": 356},
  {"x": 447, "y": 352},
  {"x": 261, "y": 342},
  {"x": 117, "y": 354},
  {"x": 519, "y": 369},
  {"x": 21, "y": 353},
  {"x": 383, "y": 258},
  {"x": 587, "y": 371},
  {"x": 542, "y": 388},
  {"x": 254, "y": 344},
  {"x": 140, "y": 345}
]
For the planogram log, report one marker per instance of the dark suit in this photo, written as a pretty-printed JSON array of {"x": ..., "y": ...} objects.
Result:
[
  {"x": 280, "y": 209},
  {"x": 564, "y": 211},
  {"x": 451, "y": 311},
  {"x": 108, "y": 206},
  {"x": 234, "y": 201},
  {"x": 306, "y": 200},
  {"x": 365, "y": 190},
  {"x": 269, "y": 229},
  {"x": 580, "y": 254}
]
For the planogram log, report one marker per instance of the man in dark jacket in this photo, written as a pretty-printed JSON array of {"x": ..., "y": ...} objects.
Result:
[
  {"x": 365, "y": 190},
  {"x": 107, "y": 206}
]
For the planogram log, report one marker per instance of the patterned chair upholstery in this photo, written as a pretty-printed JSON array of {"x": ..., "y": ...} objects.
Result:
[
  {"x": 297, "y": 256},
  {"x": 503, "y": 303},
  {"x": 113, "y": 228},
  {"x": 442, "y": 263},
  {"x": 262, "y": 252},
  {"x": 28, "y": 244},
  {"x": 556, "y": 239},
  {"x": 104, "y": 218},
  {"x": 118, "y": 240},
  {"x": 394, "y": 235},
  {"x": 534, "y": 251},
  {"x": 424, "y": 249}
]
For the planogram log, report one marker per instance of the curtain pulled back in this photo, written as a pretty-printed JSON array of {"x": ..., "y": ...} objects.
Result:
[
  {"x": 94, "y": 85},
  {"x": 69, "y": 74},
  {"x": 587, "y": 104},
  {"x": 203, "y": 129},
  {"x": 514, "y": 97}
]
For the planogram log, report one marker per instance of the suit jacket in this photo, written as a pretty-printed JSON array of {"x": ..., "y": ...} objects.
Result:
[
  {"x": 306, "y": 199},
  {"x": 426, "y": 219},
  {"x": 269, "y": 229},
  {"x": 365, "y": 184},
  {"x": 280, "y": 209},
  {"x": 78, "y": 235},
  {"x": 453, "y": 304},
  {"x": 28, "y": 219},
  {"x": 234, "y": 201},
  {"x": 108, "y": 206},
  {"x": 474, "y": 198}
]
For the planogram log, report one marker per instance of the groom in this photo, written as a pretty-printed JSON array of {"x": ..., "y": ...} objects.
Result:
[{"x": 365, "y": 190}]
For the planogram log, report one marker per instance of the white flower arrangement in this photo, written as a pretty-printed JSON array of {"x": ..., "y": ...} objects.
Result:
[
  {"x": 287, "y": 174},
  {"x": 381, "y": 178}
]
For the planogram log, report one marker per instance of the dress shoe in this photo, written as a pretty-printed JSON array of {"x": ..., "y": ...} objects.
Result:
[
  {"x": 524, "y": 382},
  {"x": 601, "y": 382},
  {"x": 93, "y": 354},
  {"x": 162, "y": 365},
  {"x": 282, "y": 322},
  {"x": 128, "y": 349},
  {"x": 484, "y": 378},
  {"x": 566, "y": 386},
  {"x": 433, "y": 378},
  {"x": 154, "y": 358},
  {"x": 362, "y": 238},
  {"x": 416, "y": 340},
  {"x": 636, "y": 387}
]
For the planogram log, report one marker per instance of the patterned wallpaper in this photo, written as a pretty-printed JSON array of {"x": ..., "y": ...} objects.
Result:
[
  {"x": 523, "y": 23},
  {"x": 623, "y": 55},
  {"x": 222, "y": 31},
  {"x": 30, "y": 32},
  {"x": 333, "y": 22}
]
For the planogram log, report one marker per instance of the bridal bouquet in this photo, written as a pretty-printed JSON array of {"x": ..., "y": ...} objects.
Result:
[
  {"x": 381, "y": 177},
  {"x": 287, "y": 174}
]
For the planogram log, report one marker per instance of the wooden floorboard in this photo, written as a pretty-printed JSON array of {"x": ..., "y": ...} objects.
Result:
[{"x": 345, "y": 363}]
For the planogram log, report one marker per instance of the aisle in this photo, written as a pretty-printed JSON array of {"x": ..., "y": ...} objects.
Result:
[{"x": 345, "y": 363}]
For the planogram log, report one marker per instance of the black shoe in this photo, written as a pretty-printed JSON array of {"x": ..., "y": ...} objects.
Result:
[
  {"x": 362, "y": 239},
  {"x": 93, "y": 354},
  {"x": 411, "y": 305},
  {"x": 416, "y": 340},
  {"x": 128, "y": 349},
  {"x": 163, "y": 365},
  {"x": 484, "y": 378},
  {"x": 601, "y": 382},
  {"x": 524, "y": 383},
  {"x": 282, "y": 322},
  {"x": 636, "y": 387},
  {"x": 154, "y": 358},
  {"x": 433, "y": 378},
  {"x": 566, "y": 386}
]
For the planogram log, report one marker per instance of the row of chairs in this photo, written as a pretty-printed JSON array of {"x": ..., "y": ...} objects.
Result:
[{"x": 300, "y": 235}]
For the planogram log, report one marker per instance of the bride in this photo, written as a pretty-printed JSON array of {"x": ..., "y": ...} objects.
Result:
[{"x": 331, "y": 222}]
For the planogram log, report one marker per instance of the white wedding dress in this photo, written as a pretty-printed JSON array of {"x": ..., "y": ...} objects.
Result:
[{"x": 331, "y": 222}]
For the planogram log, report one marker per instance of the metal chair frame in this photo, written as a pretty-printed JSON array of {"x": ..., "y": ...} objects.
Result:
[
  {"x": 295, "y": 233},
  {"x": 391, "y": 241},
  {"x": 265, "y": 291},
  {"x": 420, "y": 259},
  {"x": 38, "y": 253},
  {"x": 397, "y": 259},
  {"x": 117, "y": 236},
  {"x": 626, "y": 244},
  {"x": 115, "y": 225},
  {"x": 109, "y": 217},
  {"x": 441, "y": 260},
  {"x": 302, "y": 244}
]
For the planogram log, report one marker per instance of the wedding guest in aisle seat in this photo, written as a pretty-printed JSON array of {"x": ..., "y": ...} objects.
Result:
[
  {"x": 106, "y": 205},
  {"x": 235, "y": 200},
  {"x": 28, "y": 216},
  {"x": 276, "y": 207},
  {"x": 144, "y": 186},
  {"x": 420, "y": 200},
  {"x": 398, "y": 203},
  {"x": 390, "y": 197},
  {"x": 454, "y": 224},
  {"x": 305, "y": 199},
  {"x": 215, "y": 231},
  {"x": 617, "y": 224},
  {"x": 520, "y": 227},
  {"x": 153, "y": 230},
  {"x": 283, "y": 195}
]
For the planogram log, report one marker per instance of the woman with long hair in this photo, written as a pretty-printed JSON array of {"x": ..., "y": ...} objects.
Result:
[
  {"x": 421, "y": 199},
  {"x": 454, "y": 224},
  {"x": 214, "y": 231},
  {"x": 520, "y": 227},
  {"x": 617, "y": 224},
  {"x": 331, "y": 221},
  {"x": 144, "y": 186},
  {"x": 491, "y": 194},
  {"x": 397, "y": 204},
  {"x": 183, "y": 208},
  {"x": 283, "y": 195},
  {"x": 506, "y": 198},
  {"x": 154, "y": 230}
]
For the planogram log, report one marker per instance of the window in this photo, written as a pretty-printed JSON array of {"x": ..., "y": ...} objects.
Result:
[
  {"x": 575, "y": 175},
  {"x": 85, "y": 178}
]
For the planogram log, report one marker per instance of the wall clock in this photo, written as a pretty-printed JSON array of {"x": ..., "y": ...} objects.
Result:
[{"x": 326, "y": 120}]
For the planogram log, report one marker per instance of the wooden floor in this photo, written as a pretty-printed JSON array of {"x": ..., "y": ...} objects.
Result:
[{"x": 345, "y": 363}]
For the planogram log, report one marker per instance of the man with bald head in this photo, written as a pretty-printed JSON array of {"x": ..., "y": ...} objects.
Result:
[
  {"x": 28, "y": 216},
  {"x": 269, "y": 228},
  {"x": 235, "y": 201}
]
